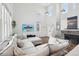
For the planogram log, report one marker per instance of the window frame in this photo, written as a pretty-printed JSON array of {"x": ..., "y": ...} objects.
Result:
[{"x": 6, "y": 23}]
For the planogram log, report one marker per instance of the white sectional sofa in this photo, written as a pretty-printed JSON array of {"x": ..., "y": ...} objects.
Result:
[
  {"x": 25, "y": 47},
  {"x": 34, "y": 40}
]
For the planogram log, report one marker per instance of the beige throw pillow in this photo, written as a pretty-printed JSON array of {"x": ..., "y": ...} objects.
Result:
[
  {"x": 18, "y": 52},
  {"x": 20, "y": 44}
]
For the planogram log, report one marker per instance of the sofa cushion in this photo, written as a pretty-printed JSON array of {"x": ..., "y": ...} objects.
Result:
[
  {"x": 55, "y": 44},
  {"x": 35, "y": 40},
  {"x": 41, "y": 50},
  {"x": 27, "y": 44},
  {"x": 18, "y": 51},
  {"x": 21, "y": 36}
]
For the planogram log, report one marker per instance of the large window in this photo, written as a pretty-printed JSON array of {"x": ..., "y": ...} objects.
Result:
[
  {"x": 6, "y": 23},
  {"x": 65, "y": 7},
  {"x": 74, "y": 8}
]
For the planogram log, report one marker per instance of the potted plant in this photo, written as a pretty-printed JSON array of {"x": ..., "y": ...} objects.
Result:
[{"x": 13, "y": 26}]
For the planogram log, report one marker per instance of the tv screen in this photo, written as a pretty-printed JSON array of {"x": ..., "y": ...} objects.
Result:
[{"x": 72, "y": 22}]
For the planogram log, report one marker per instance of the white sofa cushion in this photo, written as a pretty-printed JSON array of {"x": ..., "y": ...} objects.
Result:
[
  {"x": 21, "y": 36},
  {"x": 41, "y": 50},
  {"x": 27, "y": 44},
  {"x": 19, "y": 52},
  {"x": 35, "y": 40},
  {"x": 55, "y": 44}
]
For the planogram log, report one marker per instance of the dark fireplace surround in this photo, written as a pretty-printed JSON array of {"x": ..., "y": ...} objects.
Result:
[
  {"x": 72, "y": 31},
  {"x": 72, "y": 35},
  {"x": 73, "y": 38}
]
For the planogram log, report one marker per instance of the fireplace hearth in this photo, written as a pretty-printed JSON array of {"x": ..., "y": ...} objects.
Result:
[
  {"x": 73, "y": 38},
  {"x": 72, "y": 35}
]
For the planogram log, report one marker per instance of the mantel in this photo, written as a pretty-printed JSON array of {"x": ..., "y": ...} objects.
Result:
[{"x": 71, "y": 31}]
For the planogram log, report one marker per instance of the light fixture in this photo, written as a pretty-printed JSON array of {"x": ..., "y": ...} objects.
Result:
[{"x": 63, "y": 10}]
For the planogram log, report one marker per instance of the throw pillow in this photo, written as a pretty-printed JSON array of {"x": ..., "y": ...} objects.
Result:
[
  {"x": 18, "y": 52},
  {"x": 20, "y": 44}
]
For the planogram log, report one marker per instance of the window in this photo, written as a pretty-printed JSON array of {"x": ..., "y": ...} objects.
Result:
[
  {"x": 6, "y": 23},
  {"x": 74, "y": 8},
  {"x": 65, "y": 8},
  {"x": 50, "y": 10}
]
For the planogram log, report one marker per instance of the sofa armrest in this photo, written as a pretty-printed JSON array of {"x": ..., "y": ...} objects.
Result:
[
  {"x": 41, "y": 46},
  {"x": 41, "y": 52}
]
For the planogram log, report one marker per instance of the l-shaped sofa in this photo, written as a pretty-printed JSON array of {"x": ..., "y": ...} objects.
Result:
[{"x": 17, "y": 47}]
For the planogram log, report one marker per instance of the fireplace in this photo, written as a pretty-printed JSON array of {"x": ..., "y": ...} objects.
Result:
[
  {"x": 72, "y": 31},
  {"x": 73, "y": 38},
  {"x": 72, "y": 35}
]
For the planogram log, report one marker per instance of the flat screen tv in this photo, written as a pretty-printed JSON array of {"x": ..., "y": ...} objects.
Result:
[{"x": 72, "y": 22}]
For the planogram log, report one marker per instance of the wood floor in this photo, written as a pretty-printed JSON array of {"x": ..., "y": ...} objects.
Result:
[{"x": 45, "y": 39}]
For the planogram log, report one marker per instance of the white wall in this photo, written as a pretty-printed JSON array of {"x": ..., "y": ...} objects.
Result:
[
  {"x": 27, "y": 13},
  {"x": 0, "y": 23},
  {"x": 51, "y": 20}
]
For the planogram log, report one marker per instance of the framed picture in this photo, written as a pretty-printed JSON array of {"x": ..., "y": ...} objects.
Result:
[
  {"x": 27, "y": 28},
  {"x": 23, "y": 27}
]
